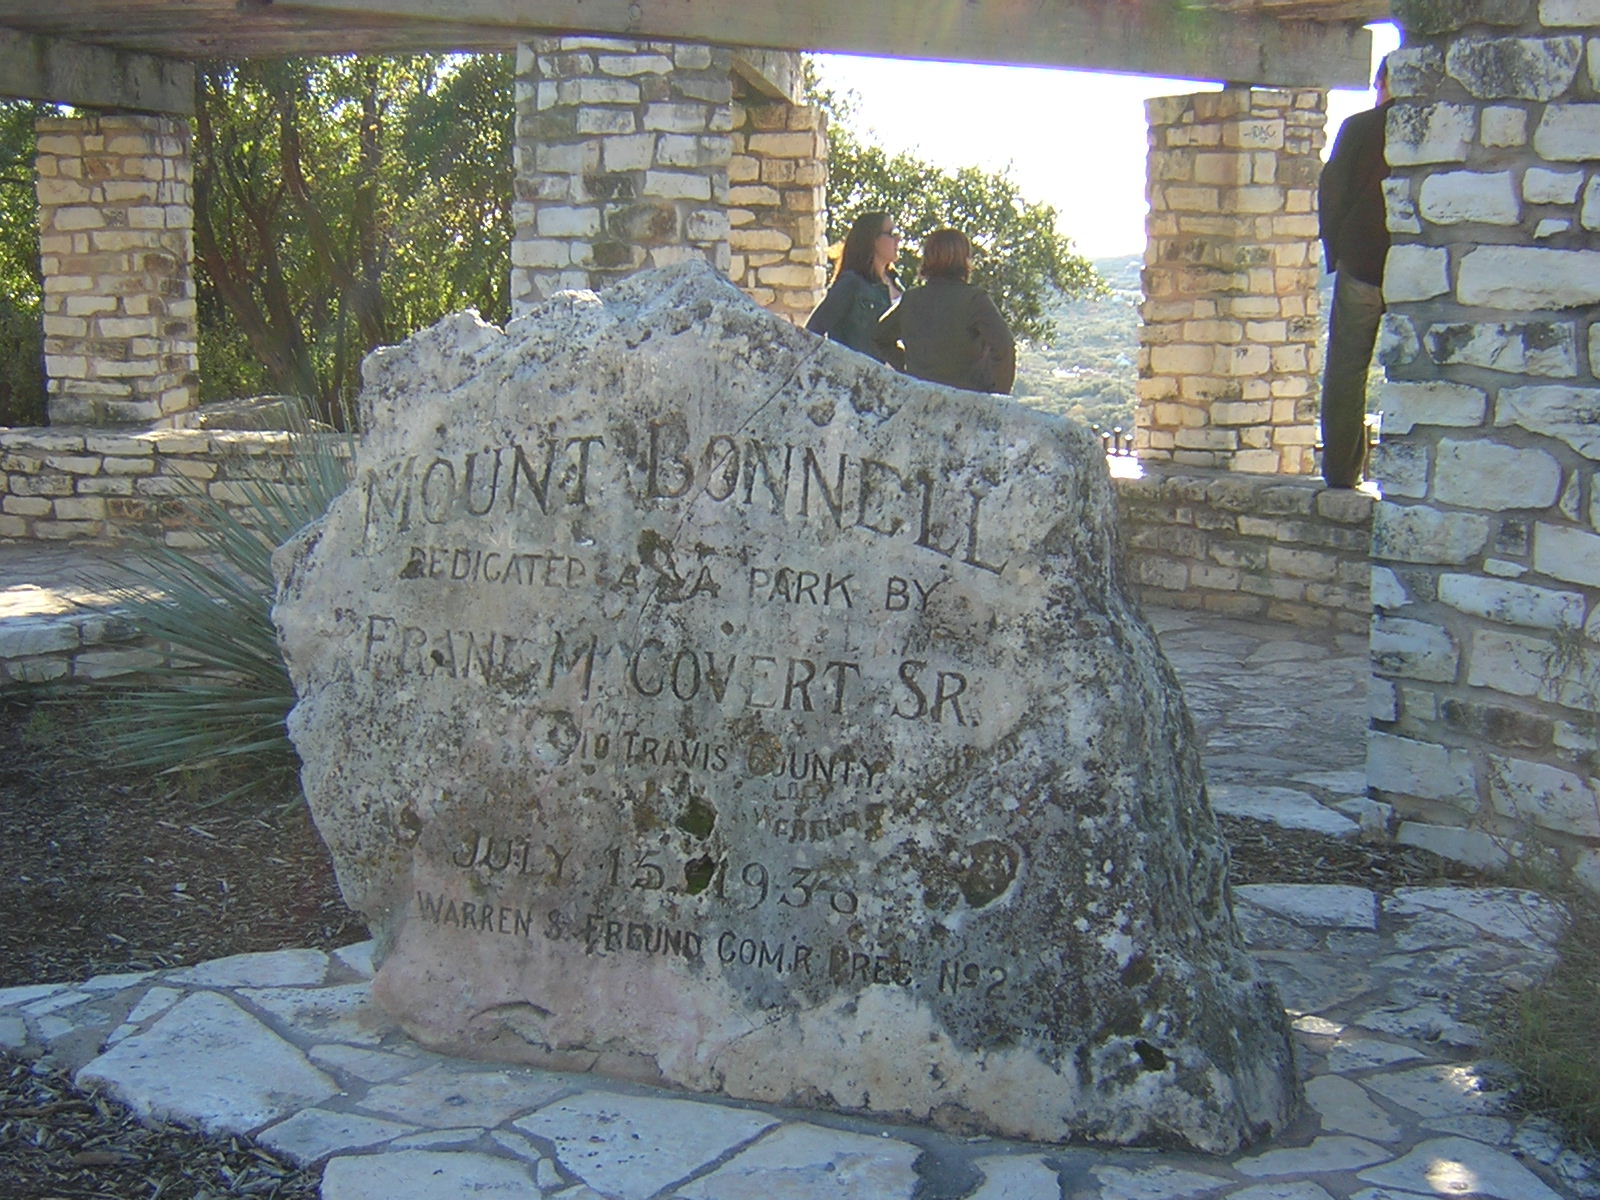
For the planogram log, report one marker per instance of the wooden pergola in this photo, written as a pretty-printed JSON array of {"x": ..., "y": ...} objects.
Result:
[{"x": 139, "y": 54}]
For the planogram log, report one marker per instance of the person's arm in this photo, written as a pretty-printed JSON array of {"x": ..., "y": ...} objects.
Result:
[
  {"x": 1333, "y": 196},
  {"x": 886, "y": 337},
  {"x": 999, "y": 347},
  {"x": 834, "y": 305}
]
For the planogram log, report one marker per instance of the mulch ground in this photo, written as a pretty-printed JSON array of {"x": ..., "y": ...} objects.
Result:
[{"x": 103, "y": 870}]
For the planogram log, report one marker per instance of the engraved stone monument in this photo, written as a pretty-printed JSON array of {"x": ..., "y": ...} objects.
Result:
[{"x": 688, "y": 699}]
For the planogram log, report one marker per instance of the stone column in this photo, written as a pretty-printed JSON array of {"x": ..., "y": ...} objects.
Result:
[
  {"x": 777, "y": 199},
  {"x": 1486, "y": 578},
  {"x": 1228, "y": 359},
  {"x": 116, "y": 221},
  {"x": 622, "y": 152}
]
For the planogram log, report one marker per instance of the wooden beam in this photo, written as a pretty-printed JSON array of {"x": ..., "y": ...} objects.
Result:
[
  {"x": 67, "y": 72},
  {"x": 1145, "y": 37}
]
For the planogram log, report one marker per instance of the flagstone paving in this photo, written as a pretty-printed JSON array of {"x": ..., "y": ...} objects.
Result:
[{"x": 1388, "y": 994}]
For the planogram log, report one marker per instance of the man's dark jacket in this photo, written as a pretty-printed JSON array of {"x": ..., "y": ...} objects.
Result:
[{"x": 1350, "y": 211}]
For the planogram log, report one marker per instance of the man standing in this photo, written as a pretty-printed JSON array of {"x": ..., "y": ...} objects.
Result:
[{"x": 1355, "y": 242}]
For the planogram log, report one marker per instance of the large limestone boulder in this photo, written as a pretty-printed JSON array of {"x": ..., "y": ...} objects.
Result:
[{"x": 689, "y": 699}]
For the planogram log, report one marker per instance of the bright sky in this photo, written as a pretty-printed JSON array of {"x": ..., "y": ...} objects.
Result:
[{"x": 1073, "y": 139}]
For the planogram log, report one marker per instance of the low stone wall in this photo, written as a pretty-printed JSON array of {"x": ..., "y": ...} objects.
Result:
[
  {"x": 100, "y": 487},
  {"x": 59, "y": 649},
  {"x": 1280, "y": 547},
  {"x": 1285, "y": 548},
  {"x": 1271, "y": 546},
  {"x": 62, "y": 484}
]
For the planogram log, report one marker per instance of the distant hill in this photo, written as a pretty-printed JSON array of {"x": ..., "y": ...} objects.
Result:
[{"x": 1087, "y": 371}]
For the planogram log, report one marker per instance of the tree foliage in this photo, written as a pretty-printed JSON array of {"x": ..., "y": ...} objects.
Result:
[
  {"x": 1019, "y": 256},
  {"x": 340, "y": 204},
  {"x": 21, "y": 333}
]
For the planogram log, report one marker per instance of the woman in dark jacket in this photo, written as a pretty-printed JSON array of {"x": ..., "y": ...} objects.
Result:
[
  {"x": 946, "y": 329},
  {"x": 863, "y": 284}
]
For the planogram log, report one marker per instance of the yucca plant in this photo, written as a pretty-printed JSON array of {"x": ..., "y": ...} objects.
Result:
[{"x": 216, "y": 703}]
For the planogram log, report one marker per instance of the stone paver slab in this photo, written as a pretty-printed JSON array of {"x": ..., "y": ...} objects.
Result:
[
  {"x": 336, "y": 1014},
  {"x": 1317, "y": 905},
  {"x": 1428, "y": 929},
  {"x": 156, "y": 1000},
  {"x": 633, "y": 1146},
  {"x": 1158, "y": 1182},
  {"x": 115, "y": 982},
  {"x": 1345, "y": 1108},
  {"x": 209, "y": 1062},
  {"x": 1439, "y": 1090},
  {"x": 1354, "y": 1052},
  {"x": 1513, "y": 915},
  {"x": 1491, "y": 1131},
  {"x": 374, "y": 1066},
  {"x": 1280, "y": 806},
  {"x": 1016, "y": 1179},
  {"x": 16, "y": 997},
  {"x": 1428, "y": 1022},
  {"x": 1459, "y": 1167},
  {"x": 315, "y": 1133},
  {"x": 358, "y": 957},
  {"x": 802, "y": 1162},
  {"x": 1299, "y": 1189},
  {"x": 448, "y": 1095},
  {"x": 1335, "y": 1153},
  {"x": 1350, "y": 782},
  {"x": 276, "y": 968},
  {"x": 523, "y": 1147},
  {"x": 426, "y": 1175},
  {"x": 54, "y": 1002},
  {"x": 440, "y": 1139},
  {"x": 1474, "y": 974},
  {"x": 73, "y": 1020},
  {"x": 1308, "y": 982}
]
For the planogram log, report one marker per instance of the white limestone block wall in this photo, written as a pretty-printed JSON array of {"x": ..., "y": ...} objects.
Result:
[
  {"x": 1486, "y": 554},
  {"x": 1228, "y": 359},
  {"x": 116, "y": 226},
  {"x": 622, "y": 152},
  {"x": 633, "y": 154},
  {"x": 776, "y": 205}
]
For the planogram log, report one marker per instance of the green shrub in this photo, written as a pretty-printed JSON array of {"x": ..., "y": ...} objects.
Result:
[
  {"x": 21, "y": 326},
  {"x": 1551, "y": 1032},
  {"x": 21, "y": 364},
  {"x": 218, "y": 700}
]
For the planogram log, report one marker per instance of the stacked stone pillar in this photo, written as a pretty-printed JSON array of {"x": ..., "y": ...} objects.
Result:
[
  {"x": 622, "y": 154},
  {"x": 1228, "y": 359},
  {"x": 1486, "y": 577},
  {"x": 777, "y": 199},
  {"x": 637, "y": 154},
  {"x": 116, "y": 221}
]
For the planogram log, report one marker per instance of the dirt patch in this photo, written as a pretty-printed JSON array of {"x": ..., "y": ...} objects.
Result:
[
  {"x": 110, "y": 870},
  {"x": 1262, "y": 853}
]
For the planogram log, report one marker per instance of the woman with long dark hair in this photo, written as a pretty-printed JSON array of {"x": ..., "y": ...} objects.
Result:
[
  {"x": 864, "y": 284},
  {"x": 947, "y": 329}
]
